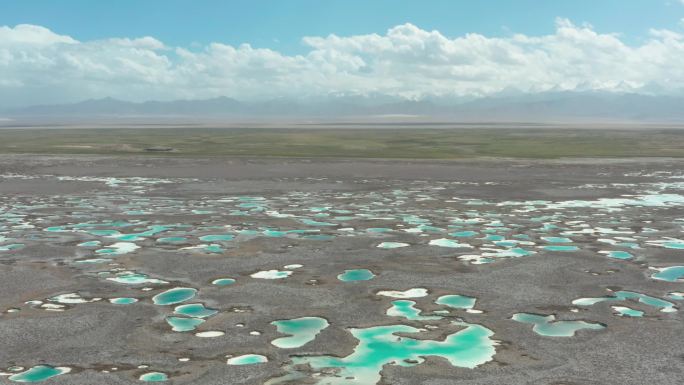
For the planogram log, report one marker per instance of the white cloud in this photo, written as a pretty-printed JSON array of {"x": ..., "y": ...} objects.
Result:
[
  {"x": 41, "y": 66},
  {"x": 31, "y": 35}
]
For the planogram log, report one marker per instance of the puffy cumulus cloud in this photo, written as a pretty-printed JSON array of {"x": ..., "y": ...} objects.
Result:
[
  {"x": 41, "y": 66},
  {"x": 146, "y": 42},
  {"x": 31, "y": 35}
]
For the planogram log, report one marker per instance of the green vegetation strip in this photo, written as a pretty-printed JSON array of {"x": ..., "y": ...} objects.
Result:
[{"x": 426, "y": 143}]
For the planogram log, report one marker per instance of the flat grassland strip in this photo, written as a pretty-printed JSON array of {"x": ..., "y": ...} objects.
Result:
[{"x": 412, "y": 143}]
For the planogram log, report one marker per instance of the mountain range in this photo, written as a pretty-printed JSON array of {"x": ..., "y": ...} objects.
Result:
[{"x": 542, "y": 107}]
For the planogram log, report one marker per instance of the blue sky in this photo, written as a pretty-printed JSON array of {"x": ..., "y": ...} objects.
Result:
[
  {"x": 70, "y": 50},
  {"x": 282, "y": 24}
]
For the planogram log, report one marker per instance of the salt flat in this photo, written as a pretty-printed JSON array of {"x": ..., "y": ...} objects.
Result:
[{"x": 196, "y": 270}]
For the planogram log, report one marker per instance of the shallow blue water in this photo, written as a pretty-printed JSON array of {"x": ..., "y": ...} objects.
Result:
[
  {"x": 628, "y": 312},
  {"x": 196, "y": 310},
  {"x": 561, "y": 248},
  {"x": 223, "y": 281},
  {"x": 216, "y": 237},
  {"x": 123, "y": 301},
  {"x": 670, "y": 274},
  {"x": 664, "y": 306},
  {"x": 174, "y": 296},
  {"x": 301, "y": 331},
  {"x": 38, "y": 373},
  {"x": 247, "y": 359},
  {"x": 547, "y": 325},
  {"x": 182, "y": 324},
  {"x": 154, "y": 377},
  {"x": 456, "y": 301},
  {"x": 620, "y": 255},
  {"x": 356, "y": 275},
  {"x": 379, "y": 346},
  {"x": 406, "y": 309}
]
